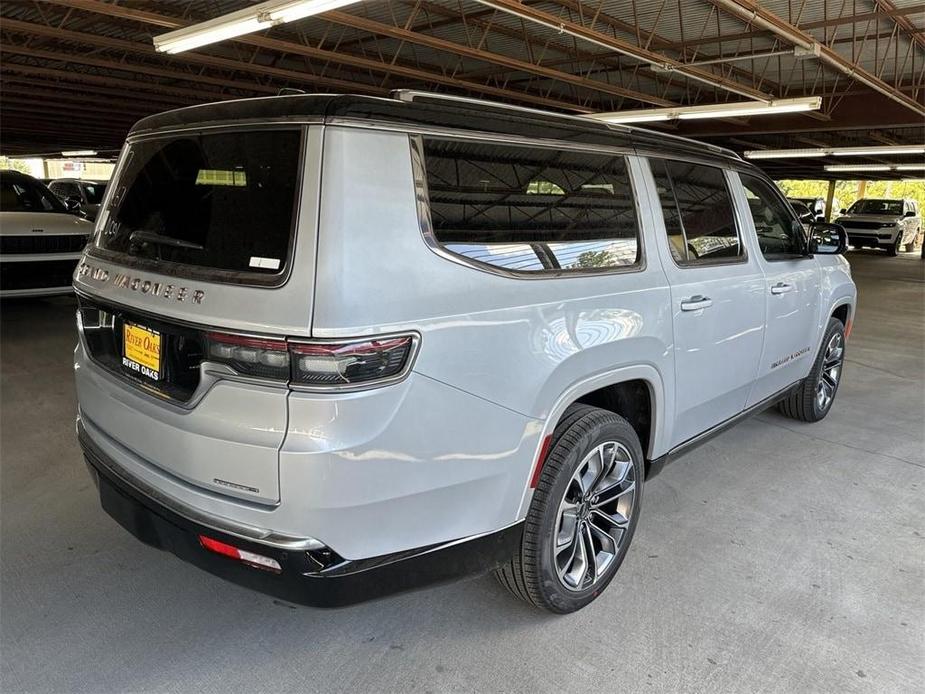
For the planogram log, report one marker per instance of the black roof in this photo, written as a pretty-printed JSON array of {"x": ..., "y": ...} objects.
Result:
[{"x": 431, "y": 111}]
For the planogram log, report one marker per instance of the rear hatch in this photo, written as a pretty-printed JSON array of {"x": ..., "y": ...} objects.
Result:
[{"x": 204, "y": 251}]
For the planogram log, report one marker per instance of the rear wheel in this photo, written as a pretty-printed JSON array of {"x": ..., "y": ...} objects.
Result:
[
  {"x": 813, "y": 398},
  {"x": 583, "y": 513}
]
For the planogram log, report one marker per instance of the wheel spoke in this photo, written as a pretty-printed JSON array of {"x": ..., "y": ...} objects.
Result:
[
  {"x": 614, "y": 492},
  {"x": 617, "y": 520},
  {"x": 566, "y": 568},
  {"x": 567, "y": 524},
  {"x": 595, "y": 528},
  {"x": 591, "y": 555}
]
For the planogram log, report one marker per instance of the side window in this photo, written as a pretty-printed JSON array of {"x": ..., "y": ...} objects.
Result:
[
  {"x": 530, "y": 209},
  {"x": 697, "y": 210},
  {"x": 780, "y": 234}
]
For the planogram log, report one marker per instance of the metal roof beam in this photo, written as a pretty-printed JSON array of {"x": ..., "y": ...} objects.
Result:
[
  {"x": 557, "y": 23},
  {"x": 903, "y": 22},
  {"x": 301, "y": 49},
  {"x": 754, "y": 14}
]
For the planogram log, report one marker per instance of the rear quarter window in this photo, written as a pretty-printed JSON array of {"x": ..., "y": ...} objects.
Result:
[
  {"x": 221, "y": 205},
  {"x": 528, "y": 210}
]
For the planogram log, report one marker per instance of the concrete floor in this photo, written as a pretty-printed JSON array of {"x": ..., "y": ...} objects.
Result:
[{"x": 781, "y": 557}]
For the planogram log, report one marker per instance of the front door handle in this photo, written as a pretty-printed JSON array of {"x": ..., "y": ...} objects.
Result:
[
  {"x": 781, "y": 288},
  {"x": 695, "y": 303}
]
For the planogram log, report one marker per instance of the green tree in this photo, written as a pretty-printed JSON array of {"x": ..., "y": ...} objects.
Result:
[{"x": 846, "y": 192}]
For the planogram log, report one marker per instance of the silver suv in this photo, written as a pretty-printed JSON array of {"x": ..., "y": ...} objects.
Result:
[
  {"x": 894, "y": 225},
  {"x": 332, "y": 347}
]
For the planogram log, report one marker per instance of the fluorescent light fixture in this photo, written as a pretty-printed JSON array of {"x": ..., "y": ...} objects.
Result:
[
  {"x": 80, "y": 153},
  {"x": 261, "y": 16},
  {"x": 878, "y": 149},
  {"x": 730, "y": 110},
  {"x": 634, "y": 116},
  {"x": 858, "y": 167},
  {"x": 835, "y": 151},
  {"x": 784, "y": 153}
]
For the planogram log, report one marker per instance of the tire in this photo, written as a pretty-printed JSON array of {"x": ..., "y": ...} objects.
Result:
[
  {"x": 910, "y": 247},
  {"x": 587, "y": 440},
  {"x": 894, "y": 248},
  {"x": 806, "y": 403}
]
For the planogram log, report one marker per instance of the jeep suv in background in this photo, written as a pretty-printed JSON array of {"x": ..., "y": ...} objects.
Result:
[
  {"x": 893, "y": 225},
  {"x": 40, "y": 238},
  {"x": 332, "y": 347}
]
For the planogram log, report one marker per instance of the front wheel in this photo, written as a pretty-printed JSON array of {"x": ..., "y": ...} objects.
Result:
[
  {"x": 813, "y": 398},
  {"x": 894, "y": 249},
  {"x": 583, "y": 513}
]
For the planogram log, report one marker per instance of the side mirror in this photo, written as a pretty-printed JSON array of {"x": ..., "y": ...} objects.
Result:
[
  {"x": 827, "y": 239},
  {"x": 843, "y": 211},
  {"x": 909, "y": 213}
]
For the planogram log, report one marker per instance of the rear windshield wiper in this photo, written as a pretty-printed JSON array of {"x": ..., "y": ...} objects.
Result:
[{"x": 160, "y": 240}]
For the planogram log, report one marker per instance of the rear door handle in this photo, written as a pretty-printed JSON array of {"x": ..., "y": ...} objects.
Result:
[
  {"x": 781, "y": 288},
  {"x": 695, "y": 303}
]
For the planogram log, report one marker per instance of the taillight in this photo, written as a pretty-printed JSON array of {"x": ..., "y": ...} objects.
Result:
[
  {"x": 360, "y": 362},
  {"x": 250, "y": 356},
  {"x": 313, "y": 364}
]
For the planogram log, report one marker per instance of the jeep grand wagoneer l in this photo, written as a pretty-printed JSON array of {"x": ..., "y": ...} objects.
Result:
[{"x": 335, "y": 346}]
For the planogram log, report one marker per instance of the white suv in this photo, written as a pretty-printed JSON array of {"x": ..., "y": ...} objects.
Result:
[
  {"x": 891, "y": 224},
  {"x": 332, "y": 347}
]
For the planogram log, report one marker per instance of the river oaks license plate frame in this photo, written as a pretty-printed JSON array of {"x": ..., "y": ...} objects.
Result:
[{"x": 141, "y": 351}]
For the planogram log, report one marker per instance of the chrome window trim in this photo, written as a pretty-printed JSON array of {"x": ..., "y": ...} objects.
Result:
[{"x": 422, "y": 203}]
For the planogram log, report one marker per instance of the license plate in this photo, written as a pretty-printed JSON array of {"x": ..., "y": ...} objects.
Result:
[{"x": 142, "y": 351}]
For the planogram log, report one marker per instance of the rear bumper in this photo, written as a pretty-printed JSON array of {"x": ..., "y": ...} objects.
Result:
[{"x": 307, "y": 577}]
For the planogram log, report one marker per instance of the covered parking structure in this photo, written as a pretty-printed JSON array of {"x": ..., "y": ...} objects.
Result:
[{"x": 779, "y": 557}]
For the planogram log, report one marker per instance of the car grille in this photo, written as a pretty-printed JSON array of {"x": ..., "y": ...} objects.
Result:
[
  {"x": 37, "y": 274},
  {"x": 857, "y": 224},
  {"x": 72, "y": 243}
]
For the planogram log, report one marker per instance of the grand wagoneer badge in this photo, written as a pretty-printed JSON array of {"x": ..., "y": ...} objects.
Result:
[{"x": 134, "y": 283}]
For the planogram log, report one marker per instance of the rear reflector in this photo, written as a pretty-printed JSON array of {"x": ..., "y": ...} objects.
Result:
[
  {"x": 258, "y": 561},
  {"x": 540, "y": 459}
]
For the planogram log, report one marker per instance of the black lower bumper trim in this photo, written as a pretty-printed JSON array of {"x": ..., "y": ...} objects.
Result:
[{"x": 300, "y": 581}]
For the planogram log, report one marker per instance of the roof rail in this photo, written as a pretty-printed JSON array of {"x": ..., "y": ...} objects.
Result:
[{"x": 412, "y": 94}]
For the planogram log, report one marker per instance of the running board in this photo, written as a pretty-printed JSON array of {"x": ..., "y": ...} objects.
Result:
[{"x": 657, "y": 465}]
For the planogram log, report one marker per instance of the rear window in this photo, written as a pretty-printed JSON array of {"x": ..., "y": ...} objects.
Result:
[
  {"x": 222, "y": 202},
  {"x": 530, "y": 209}
]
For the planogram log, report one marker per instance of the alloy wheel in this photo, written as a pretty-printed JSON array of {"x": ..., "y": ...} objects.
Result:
[
  {"x": 831, "y": 371},
  {"x": 594, "y": 516}
]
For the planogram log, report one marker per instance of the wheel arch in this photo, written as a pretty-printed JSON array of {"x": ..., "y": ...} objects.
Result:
[{"x": 614, "y": 388}]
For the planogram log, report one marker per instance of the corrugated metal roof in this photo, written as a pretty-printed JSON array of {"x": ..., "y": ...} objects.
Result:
[{"x": 94, "y": 52}]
